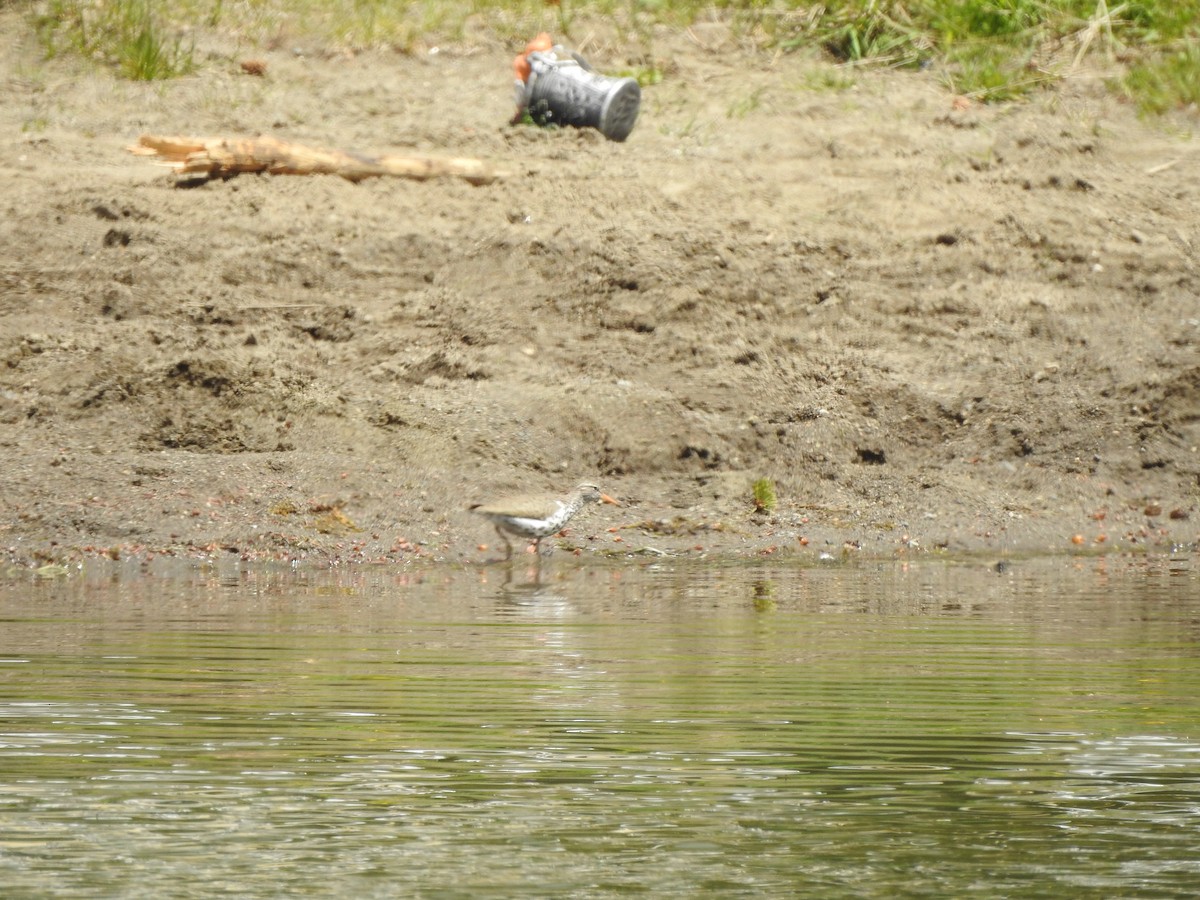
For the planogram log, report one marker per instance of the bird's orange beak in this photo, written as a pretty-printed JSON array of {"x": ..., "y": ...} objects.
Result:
[{"x": 604, "y": 498}]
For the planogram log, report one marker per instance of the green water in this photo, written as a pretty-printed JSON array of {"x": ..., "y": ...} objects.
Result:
[{"x": 883, "y": 730}]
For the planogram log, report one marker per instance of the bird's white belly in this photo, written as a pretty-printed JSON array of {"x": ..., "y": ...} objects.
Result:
[{"x": 531, "y": 527}]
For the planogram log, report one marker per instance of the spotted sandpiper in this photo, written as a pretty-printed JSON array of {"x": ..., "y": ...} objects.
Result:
[{"x": 538, "y": 517}]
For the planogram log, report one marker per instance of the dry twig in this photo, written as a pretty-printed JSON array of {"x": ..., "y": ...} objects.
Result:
[{"x": 223, "y": 157}]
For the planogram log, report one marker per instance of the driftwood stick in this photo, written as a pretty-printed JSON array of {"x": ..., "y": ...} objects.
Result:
[{"x": 222, "y": 157}]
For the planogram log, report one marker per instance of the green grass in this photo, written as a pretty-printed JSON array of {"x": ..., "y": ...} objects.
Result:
[
  {"x": 743, "y": 106},
  {"x": 1165, "y": 81},
  {"x": 1002, "y": 49},
  {"x": 992, "y": 50},
  {"x": 126, "y": 34},
  {"x": 830, "y": 79},
  {"x": 764, "y": 495}
]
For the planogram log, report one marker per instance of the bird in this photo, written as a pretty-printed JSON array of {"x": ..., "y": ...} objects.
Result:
[{"x": 538, "y": 516}]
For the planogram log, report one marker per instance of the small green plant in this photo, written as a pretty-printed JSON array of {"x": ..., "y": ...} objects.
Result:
[
  {"x": 214, "y": 16},
  {"x": 124, "y": 33},
  {"x": 148, "y": 55},
  {"x": 829, "y": 79},
  {"x": 565, "y": 17},
  {"x": 742, "y": 107},
  {"x": 645, "y": 75},
  {"x": 855, "y": 31},
  {"x": 988, "y": 71},
  {"x": 1164, "y": 83},
  {"x": 764, "y": 495}
]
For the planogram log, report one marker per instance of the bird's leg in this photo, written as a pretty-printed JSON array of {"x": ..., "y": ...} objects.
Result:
[{"x": 507, "y": 543}]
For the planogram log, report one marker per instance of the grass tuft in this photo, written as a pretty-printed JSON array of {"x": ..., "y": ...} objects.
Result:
[
  {"x": 1166, "y": 82},
  {"x": 148, "y": 55},
  {"x": 1002, "y": 49},
  {"x": 123, "y": 33},
  {"x": 764, "y": 495}
]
